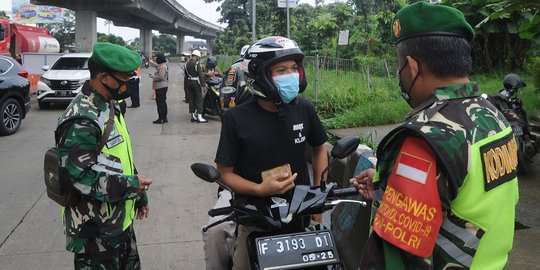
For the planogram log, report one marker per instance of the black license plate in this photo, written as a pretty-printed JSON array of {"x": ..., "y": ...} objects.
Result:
[{"x": 290, "y": 251}]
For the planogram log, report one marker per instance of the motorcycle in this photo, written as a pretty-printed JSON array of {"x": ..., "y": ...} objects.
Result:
[
  {"x": 278, "y": 247},
  {"x": 510, "y": 105},
  {"x": 211, "y": 102}
]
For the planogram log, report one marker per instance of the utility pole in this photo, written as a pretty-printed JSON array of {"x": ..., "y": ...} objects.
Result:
[
  {"x": 253, "y": 20},
  {"x": 288, "y": 22}
]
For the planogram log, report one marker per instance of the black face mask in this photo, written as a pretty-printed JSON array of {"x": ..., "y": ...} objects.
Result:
[
  {"x": 123, "y": 90},
  {"x": 406, "y": 93}
]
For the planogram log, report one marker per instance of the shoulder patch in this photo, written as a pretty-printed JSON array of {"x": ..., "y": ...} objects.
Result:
[
  {"x": 410, "y": 213},
  {"x": 499, "y": 159}
]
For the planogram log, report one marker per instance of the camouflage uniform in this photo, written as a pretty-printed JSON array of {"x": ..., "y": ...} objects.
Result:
[
  {"x": 452, "y": 119},
  {"x": 99, "y": 228}
]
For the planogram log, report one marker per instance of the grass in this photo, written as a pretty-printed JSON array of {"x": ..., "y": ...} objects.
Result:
[{"x": 344, "y": 100}]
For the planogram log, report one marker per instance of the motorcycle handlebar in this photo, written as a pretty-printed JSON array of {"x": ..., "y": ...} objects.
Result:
[
  {"x": 344, "y": 192},
  {"x": 220, "y": 211}
]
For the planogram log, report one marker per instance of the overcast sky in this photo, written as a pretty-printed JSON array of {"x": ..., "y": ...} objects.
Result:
[{"x": 198, "y": 7}]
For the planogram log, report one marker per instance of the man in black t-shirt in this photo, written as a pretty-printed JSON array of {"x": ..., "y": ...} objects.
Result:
[{"x": 270, "y": 131}]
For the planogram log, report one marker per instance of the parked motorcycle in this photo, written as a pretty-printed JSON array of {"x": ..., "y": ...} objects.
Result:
[
  {"x": 311, "y": 248},
  {"x": 510, "y": 105},
  {"x": 211, "y": 102}
]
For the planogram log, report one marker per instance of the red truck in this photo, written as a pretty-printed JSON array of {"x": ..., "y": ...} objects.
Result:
[{"x": 17, "y": 39}]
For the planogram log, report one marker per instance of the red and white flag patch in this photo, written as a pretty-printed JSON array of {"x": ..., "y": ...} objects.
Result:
[{"x": 413, "y": 168}]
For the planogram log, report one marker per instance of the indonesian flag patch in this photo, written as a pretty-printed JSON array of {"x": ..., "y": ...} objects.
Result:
[
  {"x": 413, "y": 168},
  {"x": 410, "y": 214}
]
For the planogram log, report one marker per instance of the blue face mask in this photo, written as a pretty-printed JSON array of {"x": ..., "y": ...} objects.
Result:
[{"x": 288, "y": 86}]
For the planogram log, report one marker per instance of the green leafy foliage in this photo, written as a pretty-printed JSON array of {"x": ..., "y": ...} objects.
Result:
[
  {"x": 111, "y": 38},
  {"x": 164, "y": 43},
  {"x": 507, "y": 39},
  {"x": 64, "y": 32},
  {"x": 3, "y": 15}
]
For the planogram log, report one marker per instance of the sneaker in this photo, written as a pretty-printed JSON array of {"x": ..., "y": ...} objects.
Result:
[{"x": 159, "y": 121}]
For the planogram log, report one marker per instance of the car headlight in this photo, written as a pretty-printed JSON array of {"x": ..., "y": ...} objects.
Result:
[
  {"x": 83, "y": 81},
  {"x": 45, "y": 81}
]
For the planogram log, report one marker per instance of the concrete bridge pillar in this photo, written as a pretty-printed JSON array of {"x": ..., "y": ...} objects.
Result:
[
  {"x": 180, "y": 39},
  {"x": 209, "y": 43},
  {"x": 85, "y": 30},
  {"x": 146, "y": 41}
]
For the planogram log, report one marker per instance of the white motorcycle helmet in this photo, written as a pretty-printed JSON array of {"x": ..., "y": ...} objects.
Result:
[
  {"x": 261, "y": 56},
  {"x": 244, "y": 50},
  {"x": 196, "y": 53}
]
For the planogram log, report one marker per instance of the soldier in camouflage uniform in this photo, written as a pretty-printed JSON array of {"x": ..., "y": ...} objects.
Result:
[
  {"x": 445, "y": 189},
  {"x": 99, "y": 228}
]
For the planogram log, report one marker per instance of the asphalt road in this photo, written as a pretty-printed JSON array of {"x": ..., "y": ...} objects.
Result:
[{"x": 31, "y": 235}]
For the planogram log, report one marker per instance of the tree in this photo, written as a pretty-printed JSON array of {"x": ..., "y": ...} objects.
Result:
[
  {"x": 505, "y": 31},
  {"x": 233, "y": 11},
  {"x": 64, "y": 32},
  {"x": 3, "y": 15},
  {"x": 164, "y": 43},
  {"x": 111, "y": 38},
  {"x": 134, "y": 44}
]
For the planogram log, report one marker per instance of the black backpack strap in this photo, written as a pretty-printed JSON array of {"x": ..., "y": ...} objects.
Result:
[{"x": 108, "y": 127}]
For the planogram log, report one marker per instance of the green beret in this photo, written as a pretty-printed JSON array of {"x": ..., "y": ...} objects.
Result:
[
  {"x": 423, "y": 19},
  {"x": 116, "y": 57}
]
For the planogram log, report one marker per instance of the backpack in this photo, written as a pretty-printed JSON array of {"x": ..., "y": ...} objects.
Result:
[{"x": 57, "y": 180}]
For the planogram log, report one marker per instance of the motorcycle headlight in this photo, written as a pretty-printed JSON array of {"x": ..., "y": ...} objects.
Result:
[{"x": 45, "y": 81}]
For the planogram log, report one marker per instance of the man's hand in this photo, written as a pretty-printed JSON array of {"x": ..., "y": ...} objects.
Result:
[
  {"x": 142, "y": 212},
  {"x": 364, "y": 183},
  {"x": 276, "y": 184},
  {"x": 144, "y": 183}
]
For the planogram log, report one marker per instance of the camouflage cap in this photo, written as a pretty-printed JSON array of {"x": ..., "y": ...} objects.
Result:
[
  {"x": 424, "y": 19},
  {"x": 116, "y": 57}
]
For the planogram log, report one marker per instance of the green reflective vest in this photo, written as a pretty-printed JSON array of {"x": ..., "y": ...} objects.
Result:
[
  {"x": 120, "y": 148},
  {"x": 477, "y": 152}
]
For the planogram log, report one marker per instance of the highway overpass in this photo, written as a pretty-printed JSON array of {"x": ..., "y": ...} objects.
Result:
[{"x": 165, "y": 16}]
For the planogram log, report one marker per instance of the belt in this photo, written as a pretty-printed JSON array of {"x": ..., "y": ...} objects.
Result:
[{"x": 193, "y": 78}]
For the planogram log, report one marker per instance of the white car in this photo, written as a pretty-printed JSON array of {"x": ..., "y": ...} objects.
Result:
[{"x": 63, "y": 80}]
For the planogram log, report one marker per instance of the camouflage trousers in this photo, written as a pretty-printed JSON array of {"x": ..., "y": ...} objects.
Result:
[{"x": 109, "y": 253}]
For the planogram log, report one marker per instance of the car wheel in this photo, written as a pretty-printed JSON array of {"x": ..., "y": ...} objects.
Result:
[
  {"x": 11, "y": 117},
  {"x": 43, "y": 105}
]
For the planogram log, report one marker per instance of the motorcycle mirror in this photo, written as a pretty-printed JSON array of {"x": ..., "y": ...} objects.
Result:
[
  {"x": 205, "y": 172},
  {"x": 345, "y": 146}
]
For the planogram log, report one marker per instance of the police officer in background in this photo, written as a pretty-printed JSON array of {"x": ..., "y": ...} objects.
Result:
[
  {"x": 135, "y": 100},
  {"x": 160, "y": 82},
  {"x": 445, "y": 188},
  {"x": 195, "y": 84},
  {"x": 187, "y": 56},
  {"x": 99, "y": 229}
]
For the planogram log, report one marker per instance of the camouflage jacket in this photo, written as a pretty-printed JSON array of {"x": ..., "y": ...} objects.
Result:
[
  {"x": 104, "y": 192},
  {"x": 452, "y": 119}
]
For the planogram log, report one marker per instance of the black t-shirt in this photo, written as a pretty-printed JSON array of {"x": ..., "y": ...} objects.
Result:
[{"x": 254, "y": 140}]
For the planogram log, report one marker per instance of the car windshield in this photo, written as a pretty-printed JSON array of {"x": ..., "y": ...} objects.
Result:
[{"x": 71, "y": 63}]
